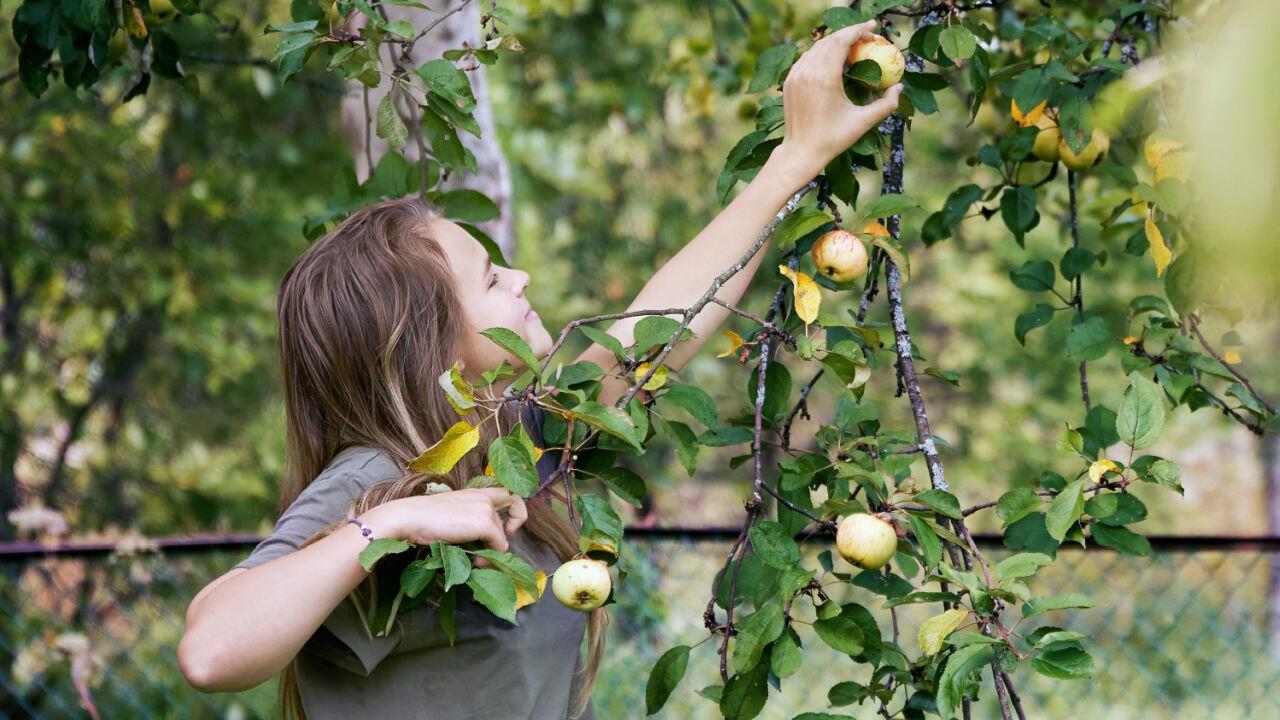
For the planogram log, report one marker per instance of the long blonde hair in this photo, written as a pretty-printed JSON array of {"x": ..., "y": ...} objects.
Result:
[{"x": 368, "y": 320}]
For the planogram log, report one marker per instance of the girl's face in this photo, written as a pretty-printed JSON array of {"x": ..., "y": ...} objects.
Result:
[{"x": 492, "y": 296}]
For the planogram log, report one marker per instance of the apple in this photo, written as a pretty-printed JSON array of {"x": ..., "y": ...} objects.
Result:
[
  {"x": 1046, "y": 145},
  {"x": 840, "y": 255},
  {"x": 866, "y": 540},
  {"x": 582, "y": 584},
  {"x": 885, "y": 54},
  {"x": 1097, "y": 147},
  {"x": 162, "y": 13}
]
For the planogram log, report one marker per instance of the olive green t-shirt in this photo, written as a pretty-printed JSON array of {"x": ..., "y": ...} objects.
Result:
[{"x": 494, "y": 671}]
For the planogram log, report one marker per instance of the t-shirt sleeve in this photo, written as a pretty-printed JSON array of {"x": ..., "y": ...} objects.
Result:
[
  {"x": 343, "y": 638},
  {"x": 326, "y": 499}
]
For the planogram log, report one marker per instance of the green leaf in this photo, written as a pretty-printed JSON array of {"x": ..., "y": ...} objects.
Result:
[
  {"x": 695, "y": 401},
  {"x": 598, "y": 514},
  {"x": 754, "y": 632},
  {"x": 513, "y": 566},
  {"x": 1033, "y": 276},
  {"x": 418, "y": 574},
  {"x": 1122, "y": 539},
  {"x": 889, "y": 204},
  {"x": 1018, "y": 210},
  {"x": 609, "y": 419},
  {"x": 1166, "y": 473},
  {"x": 1075, "y": 261},
  {"x": 774, "y": 545},
  {"x": 1089, "y": 340},
  {"x": 1065, "y": 509},
  {"x": 625, "y": 484},
  {"x": 1021, "y": 565},
  {"x": 786, "y": 657},
  {"x": 445, "y": 79},
  {"x": 1070, "y": 442},
  {"x": 1065, "y": 660},
  {"x": 1140, "y": 418},
  {"x": 457, "y": 390},
  {"x": 770, "y": 66},
  {"x": 942, "y": 502},
  {"x": 868, "y": 71},
  {"x": 930, "y": 546},
  {"x": 457, "y": 566},
  {"x": 495, "y": 591},
  {"x": 513, "y": 467},
  {"x": 799, "y": 223},
  {"x": 934, "y": 631},
  {"x": 514, "y": 344},
  {"x": 465, "y": 204},
  {"x": 1038, "y": 316},
  {"x": 744, "y": 695},
  {"x": 602, "y": 338},
  {"x": 956, "y": 676},
  {"x": 841, "y": 632},
  {"x": 1035, "y": 606},
  {"x": 664, "y": 677},
  {"x": 686, "y": 443},
  {"x": 1016, "y": 504},
  {"x": 897, "y": 253},
  {"x": 654, "y": 330},
  {"x": 390, "y": 126},
  {"x": 377, "y": 549},
  {"x": 958, "y": 42}
]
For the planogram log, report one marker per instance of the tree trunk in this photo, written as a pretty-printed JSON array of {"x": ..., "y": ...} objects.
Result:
[{"x": 492, "y": 176}]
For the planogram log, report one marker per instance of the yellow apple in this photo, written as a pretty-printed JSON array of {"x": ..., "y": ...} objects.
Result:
[
  {"x": 1046, "y": 145},
  {"x": 162, "y": 13},
  {"x": 885, "y": 54},
  {"x": 866, "y": 540},
  {"x": 582, "y": 584},
  {"x": 1097, "y": 147},
  {"x": 839, "y": 255}
]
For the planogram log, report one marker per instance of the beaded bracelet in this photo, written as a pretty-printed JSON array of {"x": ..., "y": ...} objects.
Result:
[{"x": 364, "y": 529}]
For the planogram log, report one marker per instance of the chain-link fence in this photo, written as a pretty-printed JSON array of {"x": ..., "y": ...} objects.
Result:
[{"x": 1182, "y": 633}]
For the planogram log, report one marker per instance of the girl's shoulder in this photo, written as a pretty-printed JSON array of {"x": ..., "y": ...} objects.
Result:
[{"x": 365, "y": 464}]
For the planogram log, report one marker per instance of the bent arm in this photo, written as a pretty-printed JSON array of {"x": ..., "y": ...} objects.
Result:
[
  {"x": 247, "y": 626},
  {"x": 684, "y": 278}
]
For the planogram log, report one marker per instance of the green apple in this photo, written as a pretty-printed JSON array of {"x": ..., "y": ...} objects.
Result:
[
  {"x": 866, "y": 540},
  {"x": 582, "y": 584}
]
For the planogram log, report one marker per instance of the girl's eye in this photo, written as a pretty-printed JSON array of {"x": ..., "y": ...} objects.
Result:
[{"x": 493, "y": 280}]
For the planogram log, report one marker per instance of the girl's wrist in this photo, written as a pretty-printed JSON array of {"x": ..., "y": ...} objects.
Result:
[{"x": 790, "y": 166}]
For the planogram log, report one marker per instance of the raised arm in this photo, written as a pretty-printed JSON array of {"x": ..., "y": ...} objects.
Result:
[{"x": 820, "y": 123}]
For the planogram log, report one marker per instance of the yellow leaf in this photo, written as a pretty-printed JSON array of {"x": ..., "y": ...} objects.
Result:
[
  {"x": 1160, "y": 253},
  {"x": 807, "y": 295},
  {"x": 1157, "y": 146},
  {"x": 1032, "y": 115},
  {"x": 1100, "y": 468},
  {"x": 659, "y": 376},
  {"x": 488, "y": 469},
  {"x": 1130, "y": 339},
  {"x": 934, "y": 631},
  {"x": 735, "y": 343},
  {"x": 524, "y": 598},
  {"x": 1231, "y": 357},
  {"x": 441, "y": 457}
]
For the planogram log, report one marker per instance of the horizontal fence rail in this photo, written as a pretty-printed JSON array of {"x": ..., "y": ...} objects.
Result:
[{"x": 1187, "y": 632}]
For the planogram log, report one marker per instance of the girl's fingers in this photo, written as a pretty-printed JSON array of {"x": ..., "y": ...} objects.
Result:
[
  {"x": 517, "y": 513},
  {"x": 883, "y": 106},
  {"x": 833, "y": 50}
]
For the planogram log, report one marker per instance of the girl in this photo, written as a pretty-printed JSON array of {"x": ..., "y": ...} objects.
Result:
[{"x": 369, "y": 317}]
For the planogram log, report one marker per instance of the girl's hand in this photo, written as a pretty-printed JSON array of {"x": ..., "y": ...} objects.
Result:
[
  {"x": 821, "y": 122},
  {"x": 456, "y": 517}
]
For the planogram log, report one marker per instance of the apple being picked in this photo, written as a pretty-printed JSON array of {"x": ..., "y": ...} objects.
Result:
[
  {"x": 840, "y": 255},
  {"x": 885, "y": 54}
]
